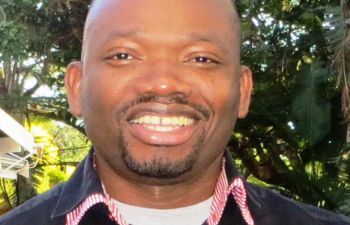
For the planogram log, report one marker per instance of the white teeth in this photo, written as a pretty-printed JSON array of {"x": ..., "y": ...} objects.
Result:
[
  {"x": 162, "y": 129},
  {"x": 146, "y": 119},
  {"x": 155, "y": 120},
  {"x": 167, "y": 121},
  {"x": 174, "y": 120},
  {"x": 164, "y": 121}
]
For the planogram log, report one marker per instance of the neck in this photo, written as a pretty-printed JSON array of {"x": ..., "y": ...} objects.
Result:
[{"x": 187, "y": 191}]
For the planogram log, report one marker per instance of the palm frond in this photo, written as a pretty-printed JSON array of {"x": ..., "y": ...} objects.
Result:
[
  {"x": 8, "y": 195},
  {"x": 336, "y": 32}
]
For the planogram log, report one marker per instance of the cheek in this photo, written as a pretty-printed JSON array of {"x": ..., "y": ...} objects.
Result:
[
  {"x": 93, "y": 97},
  {"x": 103, "y": 92},
  {"x": 223, "y": 96},
  {"x": 98, "y": 101}
]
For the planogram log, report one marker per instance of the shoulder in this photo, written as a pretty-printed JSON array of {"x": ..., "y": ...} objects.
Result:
[
  {"x": 269, "y": 207},
  {"x": 36, "y": 211}
]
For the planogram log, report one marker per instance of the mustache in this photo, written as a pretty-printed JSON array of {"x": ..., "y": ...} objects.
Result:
[{"x": 178, "y": 99}]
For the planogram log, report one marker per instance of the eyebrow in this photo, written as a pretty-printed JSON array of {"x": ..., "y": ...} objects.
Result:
[
  {"x": 192, "y": 37},
  {"x": 122, "y": 34},
  {"x": 208, "y": 38}
]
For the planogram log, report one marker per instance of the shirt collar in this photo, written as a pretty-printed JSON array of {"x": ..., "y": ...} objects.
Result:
[
  {"x": 86, "y": 183},
  {"x": 229, "y": 183}
]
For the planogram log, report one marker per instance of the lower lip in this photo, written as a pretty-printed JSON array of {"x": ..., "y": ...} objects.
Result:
[{"x": 170, "y": 138}]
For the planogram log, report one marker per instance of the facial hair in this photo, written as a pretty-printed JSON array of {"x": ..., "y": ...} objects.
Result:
[{"x": 159, "y": 167}]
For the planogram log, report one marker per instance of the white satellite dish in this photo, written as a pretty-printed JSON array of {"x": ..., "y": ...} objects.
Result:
[{"x": 19, "y": 140}]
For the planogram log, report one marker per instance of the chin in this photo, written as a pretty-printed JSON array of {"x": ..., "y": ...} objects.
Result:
[{"x": 161, "y": 162}]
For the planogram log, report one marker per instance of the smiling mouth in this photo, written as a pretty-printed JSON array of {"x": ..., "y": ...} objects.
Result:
[
  {"x": 162, "y": 129},
  {"x": 163, "y": 123}
]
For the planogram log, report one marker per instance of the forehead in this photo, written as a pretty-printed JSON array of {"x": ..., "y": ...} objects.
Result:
[
  {"x": 164, "y": 19},
  {"x": 151, "y": 7}
]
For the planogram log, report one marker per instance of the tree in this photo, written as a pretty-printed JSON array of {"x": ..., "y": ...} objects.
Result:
[
  {"x": 61, "y": 149},
  {"x": 29, "y": 60},
  {"x": 294, "y": 137},
  {"x": 21, "y": 60}
]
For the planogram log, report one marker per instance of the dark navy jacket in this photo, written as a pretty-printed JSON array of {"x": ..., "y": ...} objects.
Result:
[{"x": 266, "y": 206}]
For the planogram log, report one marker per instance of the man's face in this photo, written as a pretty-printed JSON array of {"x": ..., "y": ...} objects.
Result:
[{"x": 160, "y": 85}]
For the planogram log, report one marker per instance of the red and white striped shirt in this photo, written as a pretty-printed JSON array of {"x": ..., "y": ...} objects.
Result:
[{"x": 222, "y": 191}]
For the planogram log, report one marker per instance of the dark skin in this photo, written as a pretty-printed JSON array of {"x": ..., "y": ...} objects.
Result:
[{"x": 174, "y": 60}]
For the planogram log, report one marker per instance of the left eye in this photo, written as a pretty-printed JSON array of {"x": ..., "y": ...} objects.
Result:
[
  {"x": 122, "y": 56},
  {"x": 202, "y": 59}
]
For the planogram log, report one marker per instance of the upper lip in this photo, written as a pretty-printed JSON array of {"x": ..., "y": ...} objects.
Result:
[{"x": 161, "y": 109}]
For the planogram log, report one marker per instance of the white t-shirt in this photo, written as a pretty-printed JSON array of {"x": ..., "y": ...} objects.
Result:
[{"x": 190, "y": 215}]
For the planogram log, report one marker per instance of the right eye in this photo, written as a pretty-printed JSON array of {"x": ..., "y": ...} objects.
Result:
[
  {"x": 203, "y": 60},
  {"x": 122, "y": 56}
]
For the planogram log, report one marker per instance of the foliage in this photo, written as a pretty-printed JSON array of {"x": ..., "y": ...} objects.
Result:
[
  {"x": 62, "y": 148},
  {"x": 336, "y": 25},
  {"x": 8, "y": 195},
  {"x": 294, "y": 135}
]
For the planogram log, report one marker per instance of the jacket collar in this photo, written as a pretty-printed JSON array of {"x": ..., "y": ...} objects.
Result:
[
  {"x": 231, "y": 170},
  {"x": 83, "y": 183}
]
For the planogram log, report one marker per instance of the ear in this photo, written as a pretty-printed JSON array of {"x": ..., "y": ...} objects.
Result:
[
  {"x": 246, "y": 86},
  {"x": 73, "y": 80}
]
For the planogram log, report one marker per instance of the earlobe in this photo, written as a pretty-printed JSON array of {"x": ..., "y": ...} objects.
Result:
[
  {"x": 73, "y": 80},
  {"x": 246, "y": 86}
]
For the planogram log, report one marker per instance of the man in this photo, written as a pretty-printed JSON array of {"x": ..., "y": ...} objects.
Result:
[{"x": 160, "y": 87}]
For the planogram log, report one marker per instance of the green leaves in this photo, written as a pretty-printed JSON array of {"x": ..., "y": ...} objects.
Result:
[
  {"x": 311, "y": 111},
  {"x": 334, "y": 28}
]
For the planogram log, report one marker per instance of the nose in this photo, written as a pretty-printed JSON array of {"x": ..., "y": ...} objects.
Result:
[{"x": 163, "y": 78}]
